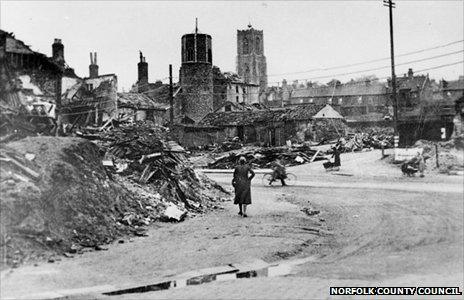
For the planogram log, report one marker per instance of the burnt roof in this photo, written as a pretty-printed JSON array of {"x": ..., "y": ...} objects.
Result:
[
  {"x": 251, "y": 117},
  {"x": 139, "y": 101}
]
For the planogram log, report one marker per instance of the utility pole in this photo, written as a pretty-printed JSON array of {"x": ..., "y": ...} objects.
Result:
[
  {"x": 171, "y": 98},
  {"x": 391, "y": 5}
]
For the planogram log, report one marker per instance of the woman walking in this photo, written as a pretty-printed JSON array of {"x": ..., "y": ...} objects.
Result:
[{"x": 241, "y": 183}]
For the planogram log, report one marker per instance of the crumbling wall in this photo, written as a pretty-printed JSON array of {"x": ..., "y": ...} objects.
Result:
[{"x": 197, "y": 137}]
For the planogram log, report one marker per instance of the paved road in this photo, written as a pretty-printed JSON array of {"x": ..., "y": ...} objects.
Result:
[
  {"x": 407, "y": 232},
  {"x": 399, "y": 236}
]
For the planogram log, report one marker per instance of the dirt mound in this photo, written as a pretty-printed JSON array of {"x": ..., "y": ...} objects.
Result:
[
  {"x": 57, "y": 196},
  {"x": 71, "y": 201}
]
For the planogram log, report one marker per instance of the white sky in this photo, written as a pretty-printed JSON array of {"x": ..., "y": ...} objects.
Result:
[{"x": 298, "y": 35}]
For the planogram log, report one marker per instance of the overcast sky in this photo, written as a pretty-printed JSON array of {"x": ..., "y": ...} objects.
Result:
[{"x": 298, "y": 36}]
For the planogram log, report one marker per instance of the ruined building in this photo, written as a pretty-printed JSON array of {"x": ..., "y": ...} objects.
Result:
[
  {"x": 251, "y": 62},
  {"x": 196, "y": 76}
]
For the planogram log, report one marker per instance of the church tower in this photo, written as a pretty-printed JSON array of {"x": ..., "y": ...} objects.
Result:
[{"x": 251, "y": 62}]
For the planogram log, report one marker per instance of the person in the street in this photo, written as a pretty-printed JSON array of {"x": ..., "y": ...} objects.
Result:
[
  {"x": 336, "y": 156},
  {"x": 278, "y": 172},
  {"x": 418, "y": 161},
  {"x": 243, "y": 174}
]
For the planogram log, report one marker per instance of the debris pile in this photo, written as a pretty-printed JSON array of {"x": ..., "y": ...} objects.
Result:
[
  {"x": 228, "y": 145},
  {"x": 142, "y": 154},
  {"x": 264, "y": 157},
  {"x": 62, "y": 194},
  {"x": 17, "y": 123},
  {"x": 375, "y": 138},
  {"x": 450, "y": 156}
]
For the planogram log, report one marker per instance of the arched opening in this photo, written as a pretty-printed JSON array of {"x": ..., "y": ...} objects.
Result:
[
  {"x": 258, "y": 45},
  {"x": 210, "y": 56}
]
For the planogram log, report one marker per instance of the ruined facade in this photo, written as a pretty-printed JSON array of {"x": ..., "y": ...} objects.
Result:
[
  {"x": 251, "y": 62},
  {"x": 196, "y": 76}
]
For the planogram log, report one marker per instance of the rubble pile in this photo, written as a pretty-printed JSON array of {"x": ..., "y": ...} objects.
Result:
[
  {"x": 142, "y": 158},
  {"x": 228, "y": 145},
  {"x": 264, "y": 157},
  {"x": 450, "y": 155},
  {"x": 374, "y": 138},
  {"x": 16, "y": 124}
]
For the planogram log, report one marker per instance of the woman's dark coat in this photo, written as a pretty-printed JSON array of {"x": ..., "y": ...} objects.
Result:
[{"x": 241, "y": 183}]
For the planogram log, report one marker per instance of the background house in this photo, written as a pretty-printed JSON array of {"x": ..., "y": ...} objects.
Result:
[{"x": 139, "y": 107}]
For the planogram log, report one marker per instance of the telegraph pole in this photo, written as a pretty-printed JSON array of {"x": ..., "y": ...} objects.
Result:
[
  {"x": 171, "y": 98},
  {"x": 391, "y": 5}
]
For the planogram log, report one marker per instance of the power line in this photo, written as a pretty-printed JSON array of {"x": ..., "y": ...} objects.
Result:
[
  {"x": 384, "y": 67},
  {"x": 369, "y": 61},
  {"x": 364, "y": 62},
  {"x": 361, "y": 71},
  {"x": 348, "y": 83}
]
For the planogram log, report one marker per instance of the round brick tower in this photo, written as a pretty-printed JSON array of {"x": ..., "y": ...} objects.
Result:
[{"x": 196, "y": 75}]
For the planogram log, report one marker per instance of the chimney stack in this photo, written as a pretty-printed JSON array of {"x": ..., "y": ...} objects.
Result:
[
  {"x": 93, "y": 67},
  {"x": 58, "y": 52},
  {"x": 142, "y": 74},
  {"x": 410, "y": 73}
]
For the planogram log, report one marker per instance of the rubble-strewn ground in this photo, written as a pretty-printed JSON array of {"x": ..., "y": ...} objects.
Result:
[
  {"x": 450, "y": 155},
  {"x": 374, "y": 228},
  {"x": 58, "y": 198}
]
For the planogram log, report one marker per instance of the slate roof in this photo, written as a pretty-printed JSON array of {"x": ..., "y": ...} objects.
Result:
[
  {"x": 415, "y": 83},
  {"x": 348, "y": 89},
  {"x": 455, "y": 85}
]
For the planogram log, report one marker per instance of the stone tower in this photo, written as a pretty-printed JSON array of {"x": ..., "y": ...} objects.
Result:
[
  {"x": 93, "y": 67},
  {"x": 196, "y": 75},
  {"x": 251, "y": 62}
]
